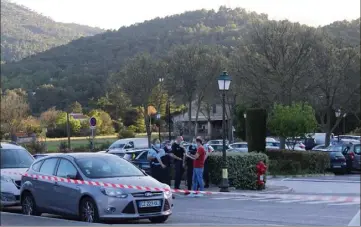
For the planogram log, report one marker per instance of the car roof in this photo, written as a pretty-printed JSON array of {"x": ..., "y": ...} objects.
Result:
[
  {"x": 240, "y": 143},
  {"x": 77, "y": 155},
  {"x": 6, "y": 145}
]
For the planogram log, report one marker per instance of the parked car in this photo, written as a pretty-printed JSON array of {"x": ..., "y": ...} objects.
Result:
[
  {"x": 219, "y": 147},
  {"x": 119, "y": 147},
  {"x": 93, "y": 203},
  {"x": 337, "y": 159},
  {"x": 240, "y": 146},
  {"x": 15, "y": 160},
  {"x": 139, "y": 158},
  {"x": 321, "y": 147},
  {"x": 236, "y": 150},
  {"x": 272, "y": 145},
  {"x": 352, "y": 154},
  {"x": 217, "y": 142}
]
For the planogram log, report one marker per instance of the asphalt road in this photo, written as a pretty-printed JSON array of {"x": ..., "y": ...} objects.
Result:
[{"x": 225, "y": 211}]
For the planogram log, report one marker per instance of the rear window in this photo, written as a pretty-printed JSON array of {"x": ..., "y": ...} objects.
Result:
[{"x": 15, "y": 158}]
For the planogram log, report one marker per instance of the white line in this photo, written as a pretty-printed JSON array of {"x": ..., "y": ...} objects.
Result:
[
  {"x": 344, "y": 204},
  {"x": 225, "y": 198},
  {"x": 316, "y": 202},
  {"x": 291, "y": 201},
  {"x": 270, "y": 200}
]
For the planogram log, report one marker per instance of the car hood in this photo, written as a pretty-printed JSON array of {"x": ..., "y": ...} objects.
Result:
[
  {"x": 143, "y": 181},
  {"x": 14, "y": 174}
]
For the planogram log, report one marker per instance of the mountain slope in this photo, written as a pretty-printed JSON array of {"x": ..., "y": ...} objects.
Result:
[
  {"x": 24, "y": 32},
  {"x": 80, "y": 69}
]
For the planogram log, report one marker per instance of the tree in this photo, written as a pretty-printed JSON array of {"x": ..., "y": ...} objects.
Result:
[
  {"x": 138, "y": 78},
  {"x": 75, "y": 107},
  {"x": 49, "y": 117},
  {"x": 14, "y": 109},
  {"x": 104, "y": 122},
  {"x": 292, "y": 121},
  {"x": 31, "y": 125},
  {"x": 61, "y": 123},
  {"x": 336, "y": 83}
]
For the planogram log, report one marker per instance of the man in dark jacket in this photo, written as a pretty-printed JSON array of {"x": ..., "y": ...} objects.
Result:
[
  {"x": 178, "y": 152},
  {"x": 192, "y": 149}
]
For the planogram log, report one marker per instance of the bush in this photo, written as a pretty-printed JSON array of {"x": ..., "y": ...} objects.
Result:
[
  {"x": 284, "y": 162},
  {"x": 126, "y": 133},
  {"x": 241, "y": 168},
  {"x": 35, "y": 147},
  {"x": 256, "y": 129}
]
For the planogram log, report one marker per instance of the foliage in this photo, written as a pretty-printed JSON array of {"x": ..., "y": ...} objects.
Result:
[
  {"x": 75, "y": 108},
  {"x": 292, "y": 121},
  {"x": 35, "y": 147},
  {"x": 104, "y": 122},
  {"x": 256, "y": 129},
  {"x": 48, "y": 118},
  {"x": 285, "y": 162},
  {"x": 241, "y": 168},
  {"x": 126, "y": 133},
  {"x": 31, "y": 125},
  {"x": 61, "y": 123},
  {"x": 14, "y": 109},
  {"x": 25, "y": 32}
]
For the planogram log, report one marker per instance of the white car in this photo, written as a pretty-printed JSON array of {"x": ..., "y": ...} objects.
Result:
[
  {"x": 15, "y": 160},
  {"x": 240, "y": 146},
  {"x": 321, "y": 147},
  {"x": 217, "y": 142}
]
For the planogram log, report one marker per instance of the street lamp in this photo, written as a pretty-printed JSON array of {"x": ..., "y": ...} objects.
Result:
[
  {"x": 158, "y": 118},
  {"x": 338, "y": 114},
  {"x": 245, "y": 126},
  {"x": 224, "y": 81}
]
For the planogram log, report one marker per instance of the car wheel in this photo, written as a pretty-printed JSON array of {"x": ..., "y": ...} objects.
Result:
[
  {"x": 88, "y": 211},
  {"x": 160, "y": 219},
  {"x": 28, "y": 205}
]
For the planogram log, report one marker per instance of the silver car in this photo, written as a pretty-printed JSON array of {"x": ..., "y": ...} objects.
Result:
[
  {"x": 240, "y": 146},
  {"x": 89, "y": 202},
  {"x": 15, "y": 160}
]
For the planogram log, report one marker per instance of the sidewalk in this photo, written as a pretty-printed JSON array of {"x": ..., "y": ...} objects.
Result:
[{"x": 274, "y": 189}]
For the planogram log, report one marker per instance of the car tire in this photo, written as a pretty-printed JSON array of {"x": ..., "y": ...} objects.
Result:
[
  {"x": 88, "y": 211},
  {"x": 28, "y": 205},
  {"x": 158, "y": 220}
]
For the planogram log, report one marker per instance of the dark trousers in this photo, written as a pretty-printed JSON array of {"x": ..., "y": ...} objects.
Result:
[
  {"x": 166, "y": 178},
  {"x": 206, "y": 174},
  {"x": 189, "y": 176},
  {"x": 156, "y": 171},
  {"x": 178, "y": 165}
]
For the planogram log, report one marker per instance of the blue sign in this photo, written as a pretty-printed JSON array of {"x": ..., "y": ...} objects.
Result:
[{"x": 93, "y": 121}]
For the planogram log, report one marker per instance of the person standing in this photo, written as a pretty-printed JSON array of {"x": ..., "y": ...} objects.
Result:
[
  {"x": 156, "y": 165},
  {"x": 166, "y": 159},
  {"x": 178, "y": 152},
  {"x": 209, "y": 149},
  {"x": 198, "y": 166},
  {"x": 192, "y": 149}
]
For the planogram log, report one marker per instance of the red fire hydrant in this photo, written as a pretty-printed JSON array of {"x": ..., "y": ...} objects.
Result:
[{"x": 261, "y": 171}]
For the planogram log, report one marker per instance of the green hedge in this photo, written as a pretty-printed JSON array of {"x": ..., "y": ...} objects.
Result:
[
  {"x": 241, "y": 168},
  {"x": 284, "y": 162}
]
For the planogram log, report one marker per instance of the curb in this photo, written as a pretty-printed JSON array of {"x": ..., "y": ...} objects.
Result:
[{"x": 300, "y": 176}]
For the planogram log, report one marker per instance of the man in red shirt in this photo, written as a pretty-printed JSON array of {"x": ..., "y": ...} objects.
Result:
[{"x": 198, "y": 166}]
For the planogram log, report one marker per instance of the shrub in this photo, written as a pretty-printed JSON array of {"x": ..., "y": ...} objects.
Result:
[
  {"x": 35, "y": 147},
  {"x": 256, "y": 129},
  {"x": 242, "y": 170},
  {"x": 126, "y": 133},
  {"x": 285, "y": 162}
]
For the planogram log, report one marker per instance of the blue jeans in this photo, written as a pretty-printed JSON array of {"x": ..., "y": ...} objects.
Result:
[{"x": 197, "y": 179}]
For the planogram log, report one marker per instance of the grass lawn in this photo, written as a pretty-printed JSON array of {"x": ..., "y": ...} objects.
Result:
[{"x": 53, "y": 145}]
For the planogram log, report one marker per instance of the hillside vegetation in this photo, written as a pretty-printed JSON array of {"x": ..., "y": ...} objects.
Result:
[
  {"x": 25, "y": 32},
  {"x": 79, "y": 71}
]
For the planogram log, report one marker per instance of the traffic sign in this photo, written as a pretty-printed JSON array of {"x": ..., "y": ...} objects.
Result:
[{"x": 93, "y": 121}]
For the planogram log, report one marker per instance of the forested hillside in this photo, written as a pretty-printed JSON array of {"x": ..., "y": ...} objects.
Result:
[
  {"x": 25, "y": 32},
  {"x": 79, "y": 71}
]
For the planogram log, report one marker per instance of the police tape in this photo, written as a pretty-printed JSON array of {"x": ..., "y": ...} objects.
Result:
[{"x": 103, "y": 184}]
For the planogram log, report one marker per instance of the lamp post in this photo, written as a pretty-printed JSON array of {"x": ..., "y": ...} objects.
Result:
[
  {"x": 344, "y": 123},
  {"x": 224, "y": 82},
  {"x": 338, "y": 114},
  {"x": 158, "y": 118},
  {"x": 245, "y": 126}
]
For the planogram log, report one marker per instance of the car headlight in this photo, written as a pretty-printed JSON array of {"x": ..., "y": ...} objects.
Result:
[
  {"x": 6, "y": 179},
  {"x": 167, "y": 193},
  {"x": 113, "y": 192}
]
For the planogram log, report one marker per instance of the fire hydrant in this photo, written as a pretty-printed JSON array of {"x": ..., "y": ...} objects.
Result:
[{"x": 261, "y": 171}]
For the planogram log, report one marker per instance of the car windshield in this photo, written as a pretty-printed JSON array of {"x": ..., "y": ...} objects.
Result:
[
  {"x": 357, "y": 149},
  {"x": 15, "y": 158},
  {"x": 239, "y": 145},
  {"x": 336, "y": 148},
  {"x": 107, "y": 167},
  {"x": 117, "y": 145}
]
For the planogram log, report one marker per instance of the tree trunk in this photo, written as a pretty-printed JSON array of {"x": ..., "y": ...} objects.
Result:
[
  {"x": 282, "y": 143},
  {"x": 328, "y": 127},
  {"x": 190, "y": 117},
  {"x": 196, "y": 120}
]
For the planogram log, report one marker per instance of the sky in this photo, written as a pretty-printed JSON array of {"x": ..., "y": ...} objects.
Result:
[{"x": 113, "y": 14}]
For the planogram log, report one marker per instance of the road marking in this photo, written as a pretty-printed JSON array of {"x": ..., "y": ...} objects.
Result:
[
  {"x": 344, "y": 204},
  {"x": 316, "y": 202},
  {"x": 271, "y": 200},
  {"x": 291, "y": 201}
]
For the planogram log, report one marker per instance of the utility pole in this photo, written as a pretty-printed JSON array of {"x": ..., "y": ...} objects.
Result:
[{"x": 68, "y": 128}]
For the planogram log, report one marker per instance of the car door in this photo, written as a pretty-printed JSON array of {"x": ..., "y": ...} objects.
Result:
[
  {"x": 357, "y": 159},
  {"x": 43, "y": 193},
  {"x": 143, "y": 161},
  {"x": 67, "y": 194}
]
